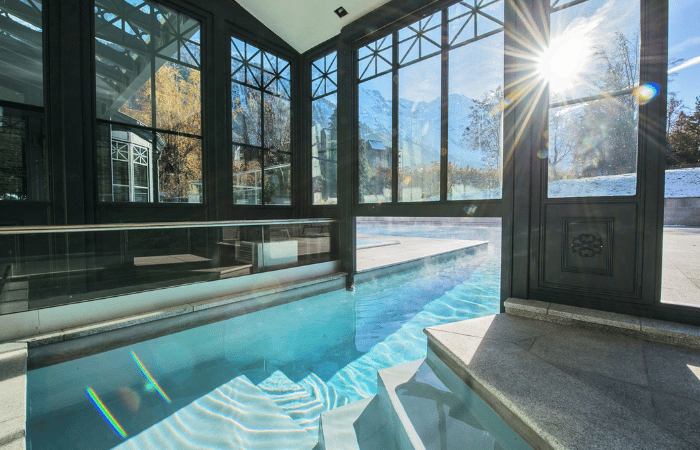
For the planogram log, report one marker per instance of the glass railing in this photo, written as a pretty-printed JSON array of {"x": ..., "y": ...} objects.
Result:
[{"x": 49, "y": 266}]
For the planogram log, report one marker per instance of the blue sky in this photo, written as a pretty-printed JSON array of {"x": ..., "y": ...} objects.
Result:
[{"x": 684, "y": 42}]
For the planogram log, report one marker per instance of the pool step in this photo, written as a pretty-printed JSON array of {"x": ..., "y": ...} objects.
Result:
[
  {"x": 234, "y": 416},
  {"x": 358, "y": 425},
  {"x": 303, "y": 406},
  {"x": 324, "y": 392}
]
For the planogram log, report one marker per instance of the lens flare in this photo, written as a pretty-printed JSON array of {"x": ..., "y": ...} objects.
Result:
[
  {"x": 646, "y": 92},
  {"x": 470, "y": 210},
  {"x": 150, "y": 378},
  {"x": 500, "y": 107},
  {"x": 543, "y": 154},
  {"x": 105, "y": 413}
]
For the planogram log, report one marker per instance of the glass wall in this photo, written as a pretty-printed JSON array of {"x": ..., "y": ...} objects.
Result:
[
  {"x": 148, "y": 100},
  {"x": 23, "y": 159},
  {"x": 592, "y": 68},
  {"x": 324, "y": 130},
  {"x": 440, "y": 120},
  {"x": 261, "y": 126},
  {"x": 680, "y": 276}
]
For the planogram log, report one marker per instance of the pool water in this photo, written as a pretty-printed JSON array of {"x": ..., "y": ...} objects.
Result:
[{"x": 296, "y": 360}]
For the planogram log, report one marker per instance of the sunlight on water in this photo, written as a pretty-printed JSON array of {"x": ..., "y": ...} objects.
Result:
[{"x": 242, "y": 383}]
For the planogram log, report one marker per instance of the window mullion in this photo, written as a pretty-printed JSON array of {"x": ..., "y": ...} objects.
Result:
[{"x": 395, "y": 118}]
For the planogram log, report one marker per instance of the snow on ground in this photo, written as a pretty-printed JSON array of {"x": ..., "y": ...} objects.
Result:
[{"x": 680, "y": 183}]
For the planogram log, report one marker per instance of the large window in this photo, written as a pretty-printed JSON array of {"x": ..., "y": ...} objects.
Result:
[
  {"x": 430, "y": 99},
  {"x": 592, "y": 68},
  {"x": 324, "y": 130},
  {"x": 23, "y": 159},
  {"x": 149, "y": 108},
  {"x": 261, "y": 126}
]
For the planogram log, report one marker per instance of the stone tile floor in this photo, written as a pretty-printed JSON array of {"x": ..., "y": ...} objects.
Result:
[{"x": 578, "y": 387}]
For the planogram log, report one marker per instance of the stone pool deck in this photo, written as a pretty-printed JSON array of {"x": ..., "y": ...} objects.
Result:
[
  {"x": 13, "y": 397},
  {"x": 405, "y": 253},
  {"x": 569, "y": 378}
]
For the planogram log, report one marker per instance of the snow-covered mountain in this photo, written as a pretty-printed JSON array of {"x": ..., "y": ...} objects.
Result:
[{"x": 419, "y": 132}]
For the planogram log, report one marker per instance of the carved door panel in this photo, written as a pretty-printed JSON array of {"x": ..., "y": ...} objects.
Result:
[{"x": 591, "y": 249}]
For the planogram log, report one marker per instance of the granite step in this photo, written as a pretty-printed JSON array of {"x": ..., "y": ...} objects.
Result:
[{"x": 234, "y": 416}]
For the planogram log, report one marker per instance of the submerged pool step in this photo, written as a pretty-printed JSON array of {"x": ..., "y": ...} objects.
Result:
[
  {"x": 303, "y": 406},
  {"x": 237, "y": 415},
  {"x": 326, "y": 393}
]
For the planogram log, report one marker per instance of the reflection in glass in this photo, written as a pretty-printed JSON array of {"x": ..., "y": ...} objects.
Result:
[
  {"x": 475, "y": 133},
  {"x": 245, "y": 115},
  {"x": 419, "y": 131},
  {"x": 261, "y": 119},
  {"x": 21, "y": 47},
  {"x": 277, "y": 188},
  {"x": 277, "y": 123},
  {"x": 23, "y": 172},
  {"x": 247, "y": 176},
  {"x": 147, "y": 66},
  {"x": 324, "y": 150},
  {"x": 375, "y": 140}
]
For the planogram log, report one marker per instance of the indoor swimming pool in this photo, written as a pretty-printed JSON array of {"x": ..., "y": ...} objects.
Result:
[{"x": 271, "y": 373}]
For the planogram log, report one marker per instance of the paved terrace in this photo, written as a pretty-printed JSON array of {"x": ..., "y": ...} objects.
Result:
[
  {"x": 382, "y": 255},
  {"x": 680, "y": 276}
]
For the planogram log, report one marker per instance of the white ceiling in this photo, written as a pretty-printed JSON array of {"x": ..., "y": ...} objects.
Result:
[{"x": 304, "y": 24}]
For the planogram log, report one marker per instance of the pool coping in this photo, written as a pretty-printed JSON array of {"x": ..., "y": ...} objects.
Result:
[
  {"x": 648, "y": 329},
  {"x": 13, "y": 402}
]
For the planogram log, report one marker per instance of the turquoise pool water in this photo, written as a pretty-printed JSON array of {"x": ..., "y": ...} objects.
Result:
[{"x": 270, "y": 373}]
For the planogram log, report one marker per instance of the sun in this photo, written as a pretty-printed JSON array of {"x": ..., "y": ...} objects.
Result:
[{"x": 561, "y": 64}]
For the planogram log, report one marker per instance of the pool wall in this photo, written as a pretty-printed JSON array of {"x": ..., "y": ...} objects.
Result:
[
  {"x": 292, "y": 333},
  {"x": 28, "y": 324}
]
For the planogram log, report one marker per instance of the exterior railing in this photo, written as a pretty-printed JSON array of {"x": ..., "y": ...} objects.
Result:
[{"x": 50, "y": 266}]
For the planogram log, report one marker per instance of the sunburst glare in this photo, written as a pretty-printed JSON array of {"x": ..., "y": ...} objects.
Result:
[{"x": 563, "y": 61}]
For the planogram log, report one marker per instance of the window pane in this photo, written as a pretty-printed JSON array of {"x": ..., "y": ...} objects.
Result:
[
  {"x": 21, "y": 61},
  {"x": 375, "y": 140},
  {"x": 23, "y": 174},
  {"x": 475, "y": 134},
  {"x": 594, "y": 49},
  {"x": 593, "y": 148},
  {"x": 247, "y": 176},
  {"x": 277, "y": 123},
  {"x": 245, "y": 115},
  {"x": 278, "y": 178},
  {"x": 324, "y": 145},
  {"x": 180, "y": 169},
  {"x": 141, "y": 44},
  {"x": 420, "y": 39},
  {"x": 419, "y": 131},
  {"x": 178, "y": 99}
]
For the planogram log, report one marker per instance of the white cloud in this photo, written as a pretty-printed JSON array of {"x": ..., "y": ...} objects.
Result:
[{"x": 690, "y": 62}]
